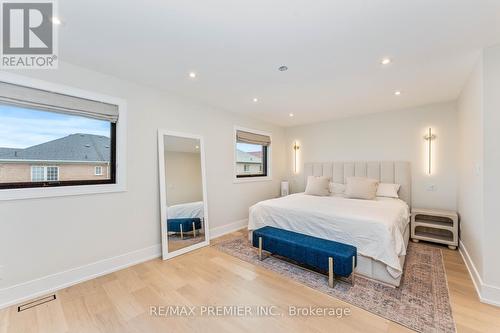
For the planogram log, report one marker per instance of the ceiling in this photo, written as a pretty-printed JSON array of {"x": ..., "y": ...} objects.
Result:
[{"x": 332, "y": 48}]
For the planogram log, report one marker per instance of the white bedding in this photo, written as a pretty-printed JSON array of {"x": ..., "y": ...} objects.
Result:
[
  {"x": 186, "y": 210},
  {"x": 375, "y": 227}
]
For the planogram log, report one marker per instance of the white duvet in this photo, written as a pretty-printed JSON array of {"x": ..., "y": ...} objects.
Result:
[
  {"x": 186, "y": 210},
  {"x": 375, "y": 227}
]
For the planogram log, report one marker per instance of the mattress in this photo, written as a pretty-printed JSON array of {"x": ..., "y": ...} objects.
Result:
[{"x": 378, "y": 228}]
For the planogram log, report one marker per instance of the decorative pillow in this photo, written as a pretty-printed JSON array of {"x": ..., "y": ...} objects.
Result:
[
  {"x": 388, "y": 190},
  {"x": 361, "y": 188},
  {"x": 318, "y": 186},
  {"x": 337, "y": 189}
]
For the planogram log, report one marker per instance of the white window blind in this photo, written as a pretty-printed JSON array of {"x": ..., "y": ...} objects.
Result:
[
  {"x": 55, "y": 102},
  {"x": 252, "y": 138}
]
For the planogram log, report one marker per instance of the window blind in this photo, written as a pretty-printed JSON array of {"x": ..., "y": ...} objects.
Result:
[
  {"x": 253, "y": 138},
  {"x": 49, "y": 101}
]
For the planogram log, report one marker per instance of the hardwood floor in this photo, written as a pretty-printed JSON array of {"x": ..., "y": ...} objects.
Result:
[{"x": 121, "y": 301}]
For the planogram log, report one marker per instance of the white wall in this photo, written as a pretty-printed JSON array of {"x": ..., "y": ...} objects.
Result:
[
  {"x": 183, "y": 177},
  {"x": 39, "y": 237},
  {"x": 470, "y": 162},
  {"x": 492, "y": 167},
  {"x": 479, "y": 180},
  {"x": 395, "y": 135}
]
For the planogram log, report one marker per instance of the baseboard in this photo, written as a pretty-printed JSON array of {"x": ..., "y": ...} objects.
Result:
[
  {"x": 51, "y": 283},
  {"x": 487, "y": 293},
  {"x": 228, "y": 228}
]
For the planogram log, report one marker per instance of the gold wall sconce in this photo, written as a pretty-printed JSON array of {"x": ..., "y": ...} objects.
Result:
[
  {"x": 429, "y": 137},
  {"x": 296, "y": 147}
]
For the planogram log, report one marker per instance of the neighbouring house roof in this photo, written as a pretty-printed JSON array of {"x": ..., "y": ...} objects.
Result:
[
  {"x": 244, "y": 157},
  {"x": 74, "y": 147},
  {"x": 7, "y": 151},
  {"x": 256, "y": 153}
]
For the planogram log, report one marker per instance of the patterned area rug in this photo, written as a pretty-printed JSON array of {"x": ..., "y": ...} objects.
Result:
[{"x": 421, "y": 303}]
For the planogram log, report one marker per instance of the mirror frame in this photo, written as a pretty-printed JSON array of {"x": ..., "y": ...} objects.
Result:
[{"x": 163, "y": 193}]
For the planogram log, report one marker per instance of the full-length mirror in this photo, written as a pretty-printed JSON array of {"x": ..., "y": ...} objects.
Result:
[{"x": 184, "y": 221}]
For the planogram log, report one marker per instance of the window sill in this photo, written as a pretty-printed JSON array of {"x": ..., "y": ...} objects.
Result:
[
  {"x": 252, "y": 179},
  {"x": 44, "y": 192}
]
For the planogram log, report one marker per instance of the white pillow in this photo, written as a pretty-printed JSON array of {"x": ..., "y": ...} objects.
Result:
[
  {"x": 337, "y": 188},
  {"x": 319, "y": 186},
  {"x": 361, "y": 188},
  {"x": 388, "y": 190}
]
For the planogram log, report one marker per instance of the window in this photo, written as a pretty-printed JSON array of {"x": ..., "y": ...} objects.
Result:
[
  {"x": 37, "y": 174},
  {"x": 49, "y": 139},
  {"x": 44, "y": 173},
  {"x": 252, "y": 151}
]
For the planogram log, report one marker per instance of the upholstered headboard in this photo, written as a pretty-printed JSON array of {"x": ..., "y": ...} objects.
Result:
[{"x": 385, "y": 171}]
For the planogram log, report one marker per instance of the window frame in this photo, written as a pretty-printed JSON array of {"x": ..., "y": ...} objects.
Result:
[
  {"x": 95, "y": 170},
  {"x": 264, "y": 169},
  {"x": 45, "y": 174},
  {"x": 267, "y": 158},
  {"x": 117, "y": 181},
  {"x": 37, "y": 168},
  {"x": 58, "y": 183}
]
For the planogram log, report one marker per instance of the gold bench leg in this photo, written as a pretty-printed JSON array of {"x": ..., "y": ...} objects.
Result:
[
  {"x": 331, "y": 274},
  {"x": 182, "y": 233},
  {"x": 260, "y": 248},
  {"x": 353, "y": 267},
  {"x": 194, "y": 230}
]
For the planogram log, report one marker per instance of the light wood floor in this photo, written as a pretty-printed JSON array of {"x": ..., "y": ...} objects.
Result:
[
  {"x": 120, "y": 302},
  {"x": 176, "y": 243}
]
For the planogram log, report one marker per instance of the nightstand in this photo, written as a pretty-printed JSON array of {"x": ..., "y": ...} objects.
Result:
[{"x": 433, "y": 225}]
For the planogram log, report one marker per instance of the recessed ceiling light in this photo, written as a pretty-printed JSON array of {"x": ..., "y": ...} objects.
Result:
[
  {"x": 192, "y": 75},
  {"x": 255, "y": 99},
  {"x": 56, "y": 20},
  {"x": 197, "y": 147},
  {"x": 386, "y": 61},
  {"x": 291, "y": 114},
  {"x": 397, "y": 93},
  {"x": 282, "y": 68}
]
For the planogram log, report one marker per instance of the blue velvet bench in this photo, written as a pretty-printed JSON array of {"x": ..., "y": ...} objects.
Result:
[
  {"x": 183, "y": 225},
  {"x": 321, "y": 254}
]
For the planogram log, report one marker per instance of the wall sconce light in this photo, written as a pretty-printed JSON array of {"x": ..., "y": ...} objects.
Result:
[
  {"x": 429, "y": 137},
  {"x": 295, "y": 148}
]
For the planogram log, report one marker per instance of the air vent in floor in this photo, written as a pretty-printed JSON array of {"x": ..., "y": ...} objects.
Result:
[{"x": 39, "y": 301}]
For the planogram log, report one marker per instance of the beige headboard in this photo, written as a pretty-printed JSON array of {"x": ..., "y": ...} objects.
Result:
[{"x": 385, "y": 171}]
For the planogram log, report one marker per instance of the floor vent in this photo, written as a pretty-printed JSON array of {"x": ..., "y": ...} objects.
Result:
[{"x": 36, "y": 302}]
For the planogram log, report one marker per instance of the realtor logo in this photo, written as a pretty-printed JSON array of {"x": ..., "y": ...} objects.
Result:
[{"x": 28, "y": 34}]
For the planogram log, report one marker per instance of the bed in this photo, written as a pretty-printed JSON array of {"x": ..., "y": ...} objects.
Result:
[
  {"x": 186, "y": 210},
  {"x": 378, "y": 228}
]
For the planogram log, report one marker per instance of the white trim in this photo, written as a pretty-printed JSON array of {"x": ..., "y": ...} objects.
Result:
[
  {"x": 163, "y": 193},
  {"x": 121, "y": 139},
  {"x": 487, "y": 293},
  {"x": 228, "y": 228},
  {"x": 269, "y": 177},
  {"x": 95, "y": 170},
  {"x": 51, "y": 283}
]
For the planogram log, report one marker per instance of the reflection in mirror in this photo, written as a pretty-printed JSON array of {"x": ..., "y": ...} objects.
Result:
[{"x": 184, "y": 202}]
